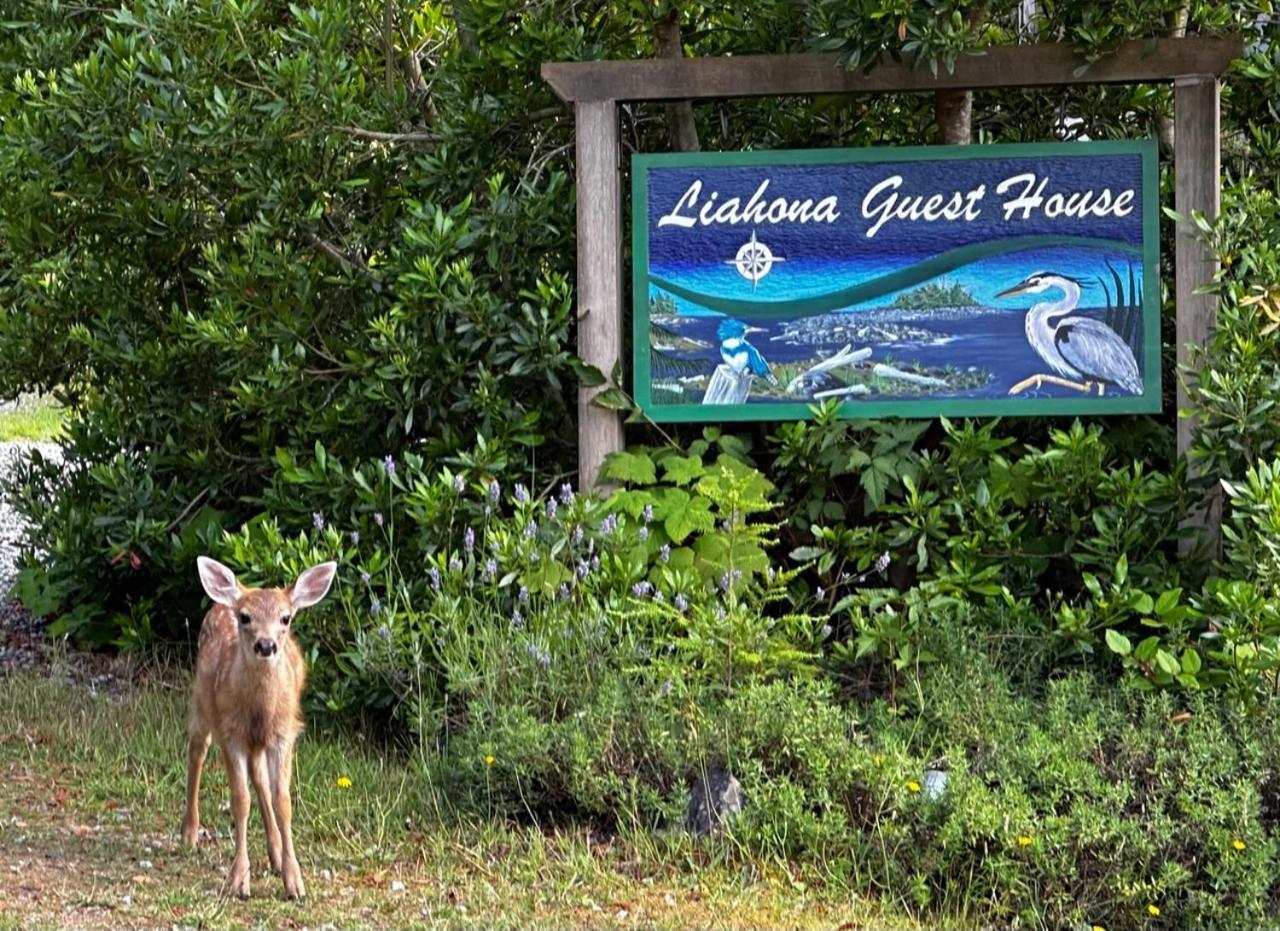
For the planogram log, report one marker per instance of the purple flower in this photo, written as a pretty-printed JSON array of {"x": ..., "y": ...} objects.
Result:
[
  {"x": 459, "y": 484},
  {"x": 469, "y": 539},
  {"x": 725, "y": 582},
  {"x": 577, "y": 535},
  {"x": 664, "y": 689},
  {"x": 647, "y": 513},
  {"x": 490, "y": 567},
  {"x": 643, "y": 534},
  {"x": 609, "y": 524},
  {"x": 595, "y": 563},
  {"x": 377, "y": 518},
  {"x": 531, "y": 529},
  {"x": 495, "y": 490},
  {"x": 664, "y": 553},
  {"x": 517, "y": 620},
  {"x": 658, "y": 596},
  {"x": 355, "y": 538},
  {"x": 551, "y": 509},
  {"x": 566, "y": 493},
  {"x": 317, "y": 520},
  {"x": 720, "y": 613},
  {"x": 539, "y": 655},
  {"x": 455, "y": 564},
  {"x": 434, "y": 573},
  {"x": 364, "y": 577},
  {"x": 825, "y": 631},
  {"x": 384, "y": 632},
  {"x": 882, "y": 563},
  {"x": 375, "y": 605},
  {"x": 524, "y": 595},
  {"x": 521, "y": 493},
  {"x": 389, "y": 465},
  {"x": 640, "y": 589},
  {"x": 583, "y": 569},
  {"x": 563, "y": 591},
  {"x": 681, "y": 603}
]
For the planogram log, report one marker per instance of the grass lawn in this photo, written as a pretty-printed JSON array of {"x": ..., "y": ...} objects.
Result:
[
  {"x": 93, "y": 797},
  {"x": 37, "y": 419}
]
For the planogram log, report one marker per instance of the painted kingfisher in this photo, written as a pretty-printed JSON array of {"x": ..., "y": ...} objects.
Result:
[{"x": 739, "y": 354}]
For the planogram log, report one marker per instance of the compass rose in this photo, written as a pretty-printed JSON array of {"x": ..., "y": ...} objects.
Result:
[{"x": 754, "y": 260}]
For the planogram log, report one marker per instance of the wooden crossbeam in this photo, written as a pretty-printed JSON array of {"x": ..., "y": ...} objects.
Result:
[{"x": 1137, "y": 62}]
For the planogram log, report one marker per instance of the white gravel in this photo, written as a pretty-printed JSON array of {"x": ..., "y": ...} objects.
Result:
[{"x": 11, "y": 525}]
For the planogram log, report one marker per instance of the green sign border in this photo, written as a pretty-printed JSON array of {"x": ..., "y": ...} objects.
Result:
[{"x": 1149, "y": 402}]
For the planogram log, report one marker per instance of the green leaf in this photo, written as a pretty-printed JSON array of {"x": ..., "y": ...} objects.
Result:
[
  {"x": 1168, "y": 662},
  {"x": 625, "y": 466},
  {"x": 612, "y": 399},
  {"x": 681, "y": 470},
  {"x": 875, "y": 483},
  {"x": 805, "y": 553},
  {"x": 1118, "y": 642}
]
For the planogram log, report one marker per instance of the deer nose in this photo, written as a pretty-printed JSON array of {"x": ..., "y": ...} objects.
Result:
[{"x": 265, "y": 647}]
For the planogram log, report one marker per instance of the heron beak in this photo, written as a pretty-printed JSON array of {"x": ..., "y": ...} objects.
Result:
[
  {"x": 1010, "y": 292},
  {"x": 755, "y": 329}
]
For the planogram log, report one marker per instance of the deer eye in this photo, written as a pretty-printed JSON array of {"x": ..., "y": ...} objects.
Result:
[
  {"x": 244, "y": 617},
  {"x": 285, "y": 620}
]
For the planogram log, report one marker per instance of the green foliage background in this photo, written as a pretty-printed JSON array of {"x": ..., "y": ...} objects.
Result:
[{"x": 301, "y": 274}]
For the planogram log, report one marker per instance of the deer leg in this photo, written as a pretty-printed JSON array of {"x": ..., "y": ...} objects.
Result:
[
  {"x": 280, "y": 762},
  {"x": 197, "y": 750},
  {"x": 238, "y": 776},
  {"x": 259, "y": 772}
]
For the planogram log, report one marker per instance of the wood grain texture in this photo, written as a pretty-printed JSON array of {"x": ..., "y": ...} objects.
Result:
[
  {"x": 784, "y": 75},
  {"x": 1197, "y": 179},
  {"x": 599, "y": 277}
]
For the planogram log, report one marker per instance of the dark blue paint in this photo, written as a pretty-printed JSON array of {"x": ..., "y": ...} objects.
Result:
[{"x": 901, "y": 239}]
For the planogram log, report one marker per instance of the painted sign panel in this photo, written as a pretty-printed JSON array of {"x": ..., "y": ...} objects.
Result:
[{"x": 962, "y": 280}]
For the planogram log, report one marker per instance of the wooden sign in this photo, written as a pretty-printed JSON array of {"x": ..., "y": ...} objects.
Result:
[{"x": 966, "y": 280}]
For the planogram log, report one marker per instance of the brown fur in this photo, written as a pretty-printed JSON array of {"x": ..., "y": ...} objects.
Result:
[{"x": 252, "y": 706}]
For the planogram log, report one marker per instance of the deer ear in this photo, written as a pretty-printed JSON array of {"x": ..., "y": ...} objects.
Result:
[
  {"x": 219, "y": 582},
  {"x": 312, "y": 585}
]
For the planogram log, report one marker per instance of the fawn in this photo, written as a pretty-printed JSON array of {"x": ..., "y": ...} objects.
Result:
[{"x": 248, "y": 685}]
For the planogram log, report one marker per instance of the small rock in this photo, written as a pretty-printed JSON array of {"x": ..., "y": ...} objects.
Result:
[
  {"x": 326, "y": 875},
  {"x": 716, "y": 797},
  {"x": 668, "y": 900},
  {"x": 934, "y": 784},
  {"x": 146, "y": 865},
  {"x": 126, "y": 900},
  {"x": 397, "y": 886}
]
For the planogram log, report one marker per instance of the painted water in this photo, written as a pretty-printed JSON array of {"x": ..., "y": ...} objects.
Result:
[{"x": 987, "y": 341}]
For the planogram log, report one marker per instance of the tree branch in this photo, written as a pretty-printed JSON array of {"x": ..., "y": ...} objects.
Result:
[
  {"x": 394, "y": 138},
  {"x": 680, "y": 121}
]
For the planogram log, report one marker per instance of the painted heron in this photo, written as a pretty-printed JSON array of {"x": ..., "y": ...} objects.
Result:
[
  {"x": 739, "y": 354},
  {"x": 1076, "y": 347}
]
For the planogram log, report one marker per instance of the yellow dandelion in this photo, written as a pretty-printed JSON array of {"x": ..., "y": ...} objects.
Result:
[
  {"x": 913, "y": 786},
  {"x": 488, "y": 760},
  {"x": 1238, "y": 844},
  {"x": 877, "y": 758},
  {"x": 344, "y": 782},
  {"x": 1153, "y": 910},
  {"x": 1024, "y": 841},
  {"x": 1097, "y": 928}
]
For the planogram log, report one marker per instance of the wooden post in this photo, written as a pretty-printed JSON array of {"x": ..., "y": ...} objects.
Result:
[
  {"x": 1196, "y": 158},
  {"x": 599, "y": 277}
]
